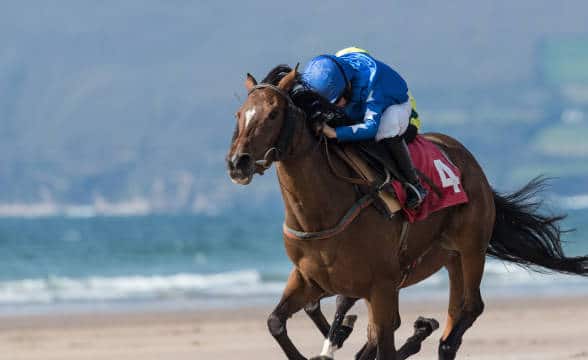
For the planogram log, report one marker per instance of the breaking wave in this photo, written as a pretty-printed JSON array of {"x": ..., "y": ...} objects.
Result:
[
  {"x": 231, "y": 285},
  {"x": 64, "y": 289},
  {"x": 575, "y": 202}
]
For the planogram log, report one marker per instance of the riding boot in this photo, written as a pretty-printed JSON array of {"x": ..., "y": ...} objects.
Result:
[{"x": 415, "y": 192}]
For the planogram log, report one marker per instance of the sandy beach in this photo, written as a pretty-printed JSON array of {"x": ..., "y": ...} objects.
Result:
[{"x": 543, "y": 328}]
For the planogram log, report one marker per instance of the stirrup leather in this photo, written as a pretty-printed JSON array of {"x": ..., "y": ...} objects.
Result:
[{"x": 416, "y": 191}]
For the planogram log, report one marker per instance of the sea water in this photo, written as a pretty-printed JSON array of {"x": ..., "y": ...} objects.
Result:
[{"x": 70, "y": 263}]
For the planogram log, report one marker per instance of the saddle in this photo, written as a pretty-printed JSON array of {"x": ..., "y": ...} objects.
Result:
[{"x": 374, "y": 163}]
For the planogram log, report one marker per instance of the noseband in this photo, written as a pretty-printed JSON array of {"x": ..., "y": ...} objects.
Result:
[{"x": 281, "y": 146}]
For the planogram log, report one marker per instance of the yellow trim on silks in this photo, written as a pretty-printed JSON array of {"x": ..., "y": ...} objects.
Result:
[
  {"x": 414, "y": 118},
  {"x": 350, "y": 50}
]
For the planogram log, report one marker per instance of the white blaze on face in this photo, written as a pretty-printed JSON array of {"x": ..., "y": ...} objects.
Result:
[{"x": 249, "y": 114}]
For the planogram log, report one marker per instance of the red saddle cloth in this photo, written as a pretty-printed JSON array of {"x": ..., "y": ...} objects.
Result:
[{"x": 429, "y": 159}]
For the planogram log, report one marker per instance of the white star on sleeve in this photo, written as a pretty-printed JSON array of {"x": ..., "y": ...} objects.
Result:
[
  {"x": 355, "y": 128},
  {"x": 369, "y": 114}
]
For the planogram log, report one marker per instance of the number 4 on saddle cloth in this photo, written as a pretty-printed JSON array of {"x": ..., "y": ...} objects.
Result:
[
  {"x": 435, "y": 165},
  {"x": 435, "y": 168}
]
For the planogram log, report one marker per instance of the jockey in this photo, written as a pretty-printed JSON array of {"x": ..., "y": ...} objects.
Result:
[{"x": 374, "y": 95}]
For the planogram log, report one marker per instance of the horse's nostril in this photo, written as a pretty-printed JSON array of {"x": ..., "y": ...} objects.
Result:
[{"x": 243, "y": 162}]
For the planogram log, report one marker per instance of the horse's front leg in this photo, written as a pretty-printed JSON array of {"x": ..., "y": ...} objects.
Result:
[
  {"x": 298, "y": 292},
  {"x": 384, "y": 318}
]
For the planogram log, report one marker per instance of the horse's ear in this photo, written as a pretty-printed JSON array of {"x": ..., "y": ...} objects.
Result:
[
  {"x": 250, "y": 82},
  {"x": 288, "y": 81}
]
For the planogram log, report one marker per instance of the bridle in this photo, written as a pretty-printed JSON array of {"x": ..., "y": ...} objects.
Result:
[{"x": 282, "y": 145}]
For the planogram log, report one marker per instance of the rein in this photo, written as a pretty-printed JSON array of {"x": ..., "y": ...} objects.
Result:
[{"x": 341, "y": 154}]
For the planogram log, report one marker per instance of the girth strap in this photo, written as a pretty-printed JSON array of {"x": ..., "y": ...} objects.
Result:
[
  {"x": 345, "y": 221},
  {"x": 402, "y": 253}
]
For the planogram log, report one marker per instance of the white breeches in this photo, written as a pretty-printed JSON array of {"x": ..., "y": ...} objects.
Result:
[{"x": 394, "y": 121}]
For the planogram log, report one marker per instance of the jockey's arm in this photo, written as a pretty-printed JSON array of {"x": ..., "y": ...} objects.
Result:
[{"x": 368, "y": 128}]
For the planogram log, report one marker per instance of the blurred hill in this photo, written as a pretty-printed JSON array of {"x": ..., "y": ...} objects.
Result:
[{"x": 105, "y": 102}]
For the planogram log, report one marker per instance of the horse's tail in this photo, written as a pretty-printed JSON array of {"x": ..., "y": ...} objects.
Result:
[{"x": 525, "y": 237}]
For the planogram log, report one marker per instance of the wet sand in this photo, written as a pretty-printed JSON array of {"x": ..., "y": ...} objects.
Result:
[{"x": 532, "y": 328}]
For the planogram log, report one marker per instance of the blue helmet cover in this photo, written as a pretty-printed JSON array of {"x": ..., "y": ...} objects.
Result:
[{"x": 322, "y": 75}]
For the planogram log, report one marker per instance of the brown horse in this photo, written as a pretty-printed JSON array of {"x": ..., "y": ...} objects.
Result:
[{"x": 365, "y": 258}]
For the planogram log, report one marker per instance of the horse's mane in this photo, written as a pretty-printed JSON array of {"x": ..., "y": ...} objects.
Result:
[
  {"x": 276, "y": 74},
  {"x": 307, "y": 100}
]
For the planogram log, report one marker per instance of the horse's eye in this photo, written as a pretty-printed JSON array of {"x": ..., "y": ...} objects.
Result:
[{"x": 273, "y": 114}]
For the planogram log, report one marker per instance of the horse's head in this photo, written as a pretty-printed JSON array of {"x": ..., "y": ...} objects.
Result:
[{"x": 263, "y": 132}]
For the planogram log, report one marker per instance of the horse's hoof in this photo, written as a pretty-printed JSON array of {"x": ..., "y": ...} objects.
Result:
[
  {"x": 321, "y": 357},
  {"x": 446, "y": 352},
  {"x": 426, "y": 324}
]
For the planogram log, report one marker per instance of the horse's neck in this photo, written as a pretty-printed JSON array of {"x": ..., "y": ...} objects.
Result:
[{"x": 313, "y": 197}]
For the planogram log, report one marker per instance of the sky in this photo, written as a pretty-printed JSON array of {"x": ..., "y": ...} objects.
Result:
[{"x": 106, "y": 96}]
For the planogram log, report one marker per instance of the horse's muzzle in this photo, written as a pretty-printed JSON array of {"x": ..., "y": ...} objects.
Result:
[{"x": 241, "y": 168}]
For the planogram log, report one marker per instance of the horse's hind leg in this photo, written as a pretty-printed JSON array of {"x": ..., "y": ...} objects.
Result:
[
  {"x": 313, "y": 310},
  {"x": 430, "y": 263},
  {"x": 343, "y": 324},
  {"x": 341, "y": 327},
  {"x": 423, "y": 327},
  {"x": 297, "y": 293},
  {"x": 454, "y": 270},
  {"x": 472, "y": 266}
]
